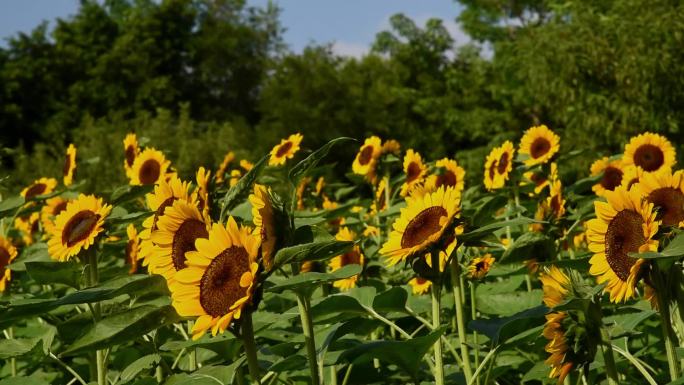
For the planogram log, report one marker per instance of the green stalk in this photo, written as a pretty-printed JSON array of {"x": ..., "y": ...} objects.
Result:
[
  {"x": 666, "y": 325},
  {"x": 608, "y": 358},
  {"x": 250, "y": 346},
  {"x": 13, "y": 360},
  {"x": 307, "y": 325},
  {"x": 192, "y": 354},
  {"x": 473, "y": 315},
  {"x": 93, "y": 279},
  {"x": 460, "y": 321},
  {"x": 436, "y": 287}
]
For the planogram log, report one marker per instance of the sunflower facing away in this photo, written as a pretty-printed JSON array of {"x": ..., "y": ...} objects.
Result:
[
  {"x": 150, "y": 167},
  {"x": 263, "y": 217},
  {"x": 178, "y": 228},
  {"x": 479, "y": 267},
  {"x": 352, "y": 257},
  {"x": 450, "y": 174},
  {"x": 559, "y": 351},
  {"x": 131, "y": 151},
  {"x": 7, "y": 254},
  {"x": 611, "y": 175},
  {"x": 624, "y": 224},
  {"x": 69, "y": 165},
  {"x": 415, "y": 171},
  {"x": 224, "y": 166},
  {"x": 666, "y": 191},
  {"x": 39, "y": 187},
  {"x": 77, "y": 226},
  {"x": 219, "y": 279},
  {"x": 651, "y": 152},
  {"x": 556, "y": 285},
  {"x": 52, "y": 208},
  {"x": 285, "y": 150},
  {"x": 540, "y": 144},
  {"x": 132, "y": 248},
  {"x": 421, "y": 224},
  {"x": 498, "y": 165},
  {"x": 367, "y": 157}
]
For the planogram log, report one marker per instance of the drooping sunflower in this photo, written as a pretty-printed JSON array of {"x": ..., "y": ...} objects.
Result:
[
  {"x": 219, "y": 279},
  {"x": 132, "y": 248},
  {"x": 450, "y": 174},
  {"x": 285, "y": 150},
  {"x": 631, "y": 176},
  {"x": 39, "y": 187},
  {"x": 220, "y": 173},
  {"x": 558, "y": 348},
  {"x": 352, "y": 257},
  {"x": 131, "y": 151},
  {"x": 666, "y": 191},
  {"x": 367, "y": 157},
  {"x": 651, "y": 152},
  {"x": 415, "y": 172},
  {"x": 52, "y": 208},
  {"x": 555, "y": 202},
  {"x": 202, "y": 179},
  {"x": 177, "y": 230},
  {"x": 421, "y": 224},
  {"x": 556, "y": 285},
  {"x": 150, "y": 167},
  {"x": 69, "y": 165},
  {"x": 264, "y": 219},
  {"x": 28, "y": 226},
  {"x": 7, "y": 254},
  {"x": 498, "y": 165},
  {"x": 624, "y": 224},
  {"x": 540, "y": 144},
  {"x": 77, "y": 226},
  {"x": 479, "y": 267},
  {"x": 420, "y": 285},
  {"x": 611, "y": 174}
]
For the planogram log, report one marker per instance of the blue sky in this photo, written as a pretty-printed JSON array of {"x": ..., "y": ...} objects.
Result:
[{"x": 350, "y": 25}]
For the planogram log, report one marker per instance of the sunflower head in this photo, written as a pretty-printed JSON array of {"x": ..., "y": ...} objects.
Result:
[
  {"x": 29, "y": 226},
  {"x": 69, "y": 165},
  {"x": 367, "y": 158},
  {"x": 611, "y": 174},
  {"x": 52, "y": 208},
  {"x": 352, "y": 257},
  {"x": 131, "y": 151},
  {"x": 380, "y": 201},
  {"x": 268, "y": 222},
  {"x": 560, "y": 352},
  {"x": 420, "y": 285},
  {"x": 132, "y": 248},
  {"x": 7, "y": 254},
  {"x": 415, "y": 172},
  {"x": 41, "y": 186},
  {"x": 631, "y": 176},
  {"x": 555, "y": 202},
  {"x": 149, "y": 168},
  {"x": 666, "y": 191},
  {"x": 77, "y": 227},
  {"x": 285, "y": 150},
  {"x": 320, "y": 184},
  {"x": 202, "y": 179},
  {"x": 220, "y": 278},
  {"x": 651, "y": 152},
  {"x": 498, "y": 166},
  {"x": 391, "y": 146},
  {"x": 539, "y": 144},
  {"x": 479, "y": 267},
  {"x": 220, "y": 173},
  {"x": 449, "y": 174},
  {"x": 556, "y": 286}
]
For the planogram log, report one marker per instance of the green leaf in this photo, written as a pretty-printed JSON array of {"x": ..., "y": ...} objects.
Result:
[
  {"x": 304, "y": 166},
  {"x": 128, "y": 193},
  {"x": 142, "y": 363},
  {"x": 530, "y": 245},
  {"x": 336, "y": 304},
  {"x": 499, "y": 330},
  {"x": 309, "y": 279},
  {"x": 35, "y": 252},
  {"x": 122, "y": 217},
  {"x": 482, "y": 232},
  {"x": 673, "y": 249},
  {"x": 315, "y": 251},
  {"x": 123, "y": 327},
  {"x": 208, "y": 375},
  {"x": 7, "y": 206},
  {"x": 506, "y": 304},
  {"x": 231, "y": 199},
  {"x": 393, "y": 299},
  {"x": 293, "y": 362},
  {"x": 205, "y": 341},
  {"x": 19, "y": 346},
  {"x": 68, "y": 273}
]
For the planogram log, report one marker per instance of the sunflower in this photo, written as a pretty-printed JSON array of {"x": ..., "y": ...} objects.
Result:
[
  {"x": 52, "y": 208},
  {"x": 556, "y": 286},
  {"x": 555, "y": 202},
  {"x": 219, "y": 279},
  {"x": 498, "y": 165},
  {"x": 69, "y": 165},
  {"x": 41, "y": 186},
  {"x": 631, "y": 176},
  {"x": 301, "y": 189},
  {"x": 450, "y": 174},
  {"x": 557, "y": 347},
  {"x": 132, "y": 248},
  {"x": 540, "y": 179},
  {"x": 421, "y": 224},
  {"x": 177, "y": 230},
  {"x": 420, "y": 285},
  {"x": 391, "y": 146},
  {"x": 202, "y": 178},
  {"x": 380, "y": 202},
  {"x": 235, "y": 176},
  {"x": 77, "y": 226},
  {"x": 611, "y": 174},
  {"x": 220, "y": 173},
  {"x": 666, "y": 191},
  {"x": 625, "y": 224},
  {"x": 28, "y": 226},
  {"x": 263, "y": 217},
  {"x": 285, "y": 150},
  {"x": 651, "y": 152},
  {"x": 367, "y": 158},
  {"x": 149, "y": 168},
  {"x": 540, "y": 144},
  {"x": 320, "y": 184},
  {"x": 332, "y": 205},
  {"x": 7, "y": 254},
  {"x": 415, "y": 171},
  {"x": 479, "y": 267},
  {"x": 131, "y": 151},
  {"x": 352, "y": 257},
  {"x": 371, "y": 231}
]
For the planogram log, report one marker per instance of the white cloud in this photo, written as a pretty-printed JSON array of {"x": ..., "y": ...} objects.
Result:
[{"x": 356, "y": 50}]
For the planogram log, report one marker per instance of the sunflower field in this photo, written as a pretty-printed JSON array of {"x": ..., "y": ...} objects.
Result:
[{"x": 278, "y": 270}]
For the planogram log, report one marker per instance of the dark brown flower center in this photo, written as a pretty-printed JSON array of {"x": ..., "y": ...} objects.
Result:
[
  {"x": 412, "y": 172},
  {"x": 160, "y": 210},
  {"x": 283, "y": 149},
  {"x": 492, "y": 170},
  {"x": 448, "y": 178},
  {"x": 631, "y": 182},
  {"x": 420, "y": 280},
  {"x": 184, "y": 240},
  {"x": 539, "y": 148},
  {"x": 538, "y": 178},
  {"x": 4, "y": 258},
  {"x": 480, "y": 266},
  {"x": 624, "y": 235},
  {"x": 130, "y": 155},
  {"x": 59, "y": 208},
  {"x": 649, "y": 157},
  {"x": 67, "y": 165},
  {"x": 35, "y": 190},
  {"x": 220, "y": 284},
  {"x": 149, "y": 172},
  {"x": 131, "y": 251},
  {"x": 423, "y": 225},
  {"x": 502, "y": 164},
  {"x": 351, "y": 258},
  {"x": 612, "y": 177},
  {"x": 670, "y": 205},
  {"x": 366, "y": 155},
  {"x": 556, "y": 204},
  {"x": 79, "y": 227}
]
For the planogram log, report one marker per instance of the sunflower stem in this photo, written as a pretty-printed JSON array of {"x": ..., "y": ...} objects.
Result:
[
  {"x": 666, "y": 322},
  {"x": 249, "y": 344},
  {"x": 473, "y": 315},
  {"x": 92, "y": 280},
  {"x": 307, "y": 326},
  {"x": 192, "y": 354},
  {"x": 460, "y": 321},
  {"x": 435, "y": 292},
  {"x": 13, "y": 360},
  {"x": 608, "y": 357}
]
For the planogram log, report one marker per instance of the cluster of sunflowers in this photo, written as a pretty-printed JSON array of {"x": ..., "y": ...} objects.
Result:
[{"x": 232, "y": 247}]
